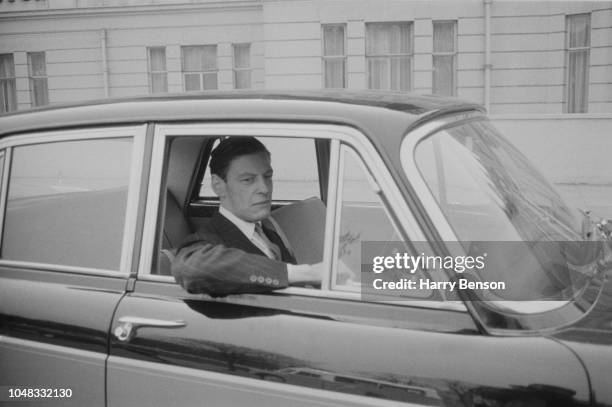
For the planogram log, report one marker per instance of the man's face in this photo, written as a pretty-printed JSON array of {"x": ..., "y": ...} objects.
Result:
[{"x": 247, "y": 189}]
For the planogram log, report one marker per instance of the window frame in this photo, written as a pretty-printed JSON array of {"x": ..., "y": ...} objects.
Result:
[
  {"x": 137, "y": 133},
  {"x": 569, "y": 50},
  {"x": 6, "y": 154},
  {"x": 201, "y": 72},
  {"x": 343, "y": 57},
  {"x": 391, "y": 197},
  {"x": 389, "y": 57},
  {"x": 344, "y": 150},
  {"x": 32, "y": 78},
  {"x": 453, "y": 54},
  {"x": 413, "y": 174},
  {"x": 9, "y": 79},
  {"x": 236, "y": 70},
  {"x": 152, "y": 72}
]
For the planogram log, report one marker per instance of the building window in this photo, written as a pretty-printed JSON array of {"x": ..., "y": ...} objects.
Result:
[
  {"x": 200, "y": 67},
  {"x": 39, "y": 90},
  {"x": 389, "y": 55},
  {"x": 242, "y": 66},
  {"x": 158, "y": 75},
  {"x": 578, "y": 51},
  {"x": 334, "y": 56},
  {"x": 444, "y": 57},
  {"x": 8, "y": 89}
]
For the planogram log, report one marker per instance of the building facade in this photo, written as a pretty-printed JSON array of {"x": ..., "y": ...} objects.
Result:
[
  {"x": 543, "y": 69},
  {"x": 549, "y": 57}
]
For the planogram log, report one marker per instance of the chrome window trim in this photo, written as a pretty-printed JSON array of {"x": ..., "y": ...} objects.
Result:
[
  {"x": 131, "y": 212},
  {"x": 149, "y": 229},
  {"x": 413, "y": 174},
  {"x": 72, "y": 134},
  {"x": 446, "y": 305},
  {"x": 61, "y": 268},
  {"x": 330, "y": 240},
  {"x": 247, "y": 299},
  {"x": 4, "y": 190},
  {"x": 339, "y": 133},
  {"x": 137, "y": 134},
  {"x": 288, "y": 392},
  {"x": 329, "y": 248}
]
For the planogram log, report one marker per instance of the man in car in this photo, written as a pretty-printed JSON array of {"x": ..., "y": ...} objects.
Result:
[{"x": 238, "y": 251}]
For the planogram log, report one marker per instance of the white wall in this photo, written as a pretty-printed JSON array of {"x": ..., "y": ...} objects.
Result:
[
  {"x": 573, "y": 151},
  {"x": 72, "y": 45},
  {"x": 528, "y": 42},
  {"x": 567, "y": 149}
]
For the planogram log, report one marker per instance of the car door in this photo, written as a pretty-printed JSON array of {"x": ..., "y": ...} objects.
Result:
[
  {"x": 329, "y": 345},
  {"x": 69, "y": 200}
]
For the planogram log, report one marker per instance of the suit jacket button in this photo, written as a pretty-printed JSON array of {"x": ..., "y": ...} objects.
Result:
[
  {"x": 261, "y": 279},
  {"x": 253, "y": 278},
  {"x": 268, "y": 280},
  {"x": 275, "y": 282}
]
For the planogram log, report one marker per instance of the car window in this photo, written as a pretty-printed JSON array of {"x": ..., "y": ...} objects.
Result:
[
  {"x": 67, "y": 202},
  {"x": 2, "y": 160},
  {"x": 300, "y": 215},
  {"x": 1, "y": 166},
  {"x": 295, "y": 169},
  {"x": 363, "y": 217},
  {"x": 298, "y": 211}
]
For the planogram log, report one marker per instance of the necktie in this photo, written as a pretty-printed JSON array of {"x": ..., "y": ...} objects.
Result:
[{"x": 273, "y": 249}]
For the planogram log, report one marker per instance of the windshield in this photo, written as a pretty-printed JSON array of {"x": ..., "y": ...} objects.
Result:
[{"x": 500, "y": 206}]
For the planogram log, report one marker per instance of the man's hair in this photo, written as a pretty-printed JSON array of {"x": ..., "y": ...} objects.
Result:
[{"x": 231, "y": 148}]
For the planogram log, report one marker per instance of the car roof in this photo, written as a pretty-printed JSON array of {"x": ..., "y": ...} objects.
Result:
[{"x": 371, "y": 110}]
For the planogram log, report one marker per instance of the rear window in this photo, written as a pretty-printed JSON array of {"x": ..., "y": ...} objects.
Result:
[{"x": 67, "y": 202}]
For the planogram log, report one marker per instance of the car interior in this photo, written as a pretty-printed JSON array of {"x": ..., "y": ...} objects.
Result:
[
  {"x": 301, "y": 179},
  {"x": 184, "y": 208}
]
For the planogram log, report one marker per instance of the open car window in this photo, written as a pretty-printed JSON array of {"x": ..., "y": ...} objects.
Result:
[
  {"x": 188, "y": 201},
  {"x": 330, "y": 196}
]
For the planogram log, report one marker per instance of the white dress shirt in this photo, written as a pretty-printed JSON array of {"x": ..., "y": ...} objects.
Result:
[{"x": 248, "y": 229}]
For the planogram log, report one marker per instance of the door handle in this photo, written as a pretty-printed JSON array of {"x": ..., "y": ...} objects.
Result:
[{"x": 128, "y": 326}]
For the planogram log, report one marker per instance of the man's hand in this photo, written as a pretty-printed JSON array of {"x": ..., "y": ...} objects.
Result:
[
  {"x": 301, "y": 274},
  {"x": 312, "y": 274}
]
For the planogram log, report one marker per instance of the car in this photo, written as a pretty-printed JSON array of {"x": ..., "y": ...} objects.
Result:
[{"x": 97, "y": 197}]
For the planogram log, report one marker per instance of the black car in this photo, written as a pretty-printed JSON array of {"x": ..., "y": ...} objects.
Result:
[{"x": 95, "y": 199}]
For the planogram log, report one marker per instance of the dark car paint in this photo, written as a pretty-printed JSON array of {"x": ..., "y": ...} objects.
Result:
[
  {"x": 285, "y": 338},
  {"x": 463, "y": 364},
  {"x": 45, "y": 314},
  {"x": 68, "y": 310},
  {"x": 591, "y": 339},
  {"x": 153, "y": 108}
]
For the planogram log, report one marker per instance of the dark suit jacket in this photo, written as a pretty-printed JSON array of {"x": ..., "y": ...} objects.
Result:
[{"x": 219, "y": 259}]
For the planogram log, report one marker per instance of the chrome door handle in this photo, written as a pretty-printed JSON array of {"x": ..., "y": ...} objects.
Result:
[{"x": 128, "y": 326}]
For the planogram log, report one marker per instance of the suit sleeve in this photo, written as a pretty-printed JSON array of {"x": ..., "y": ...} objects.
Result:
[{"x": 205, "y": 265}]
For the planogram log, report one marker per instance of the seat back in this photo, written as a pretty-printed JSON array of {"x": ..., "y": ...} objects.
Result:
[
  {"x": 176, "y": 229},
  {"x": 302, "y": 225}
]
